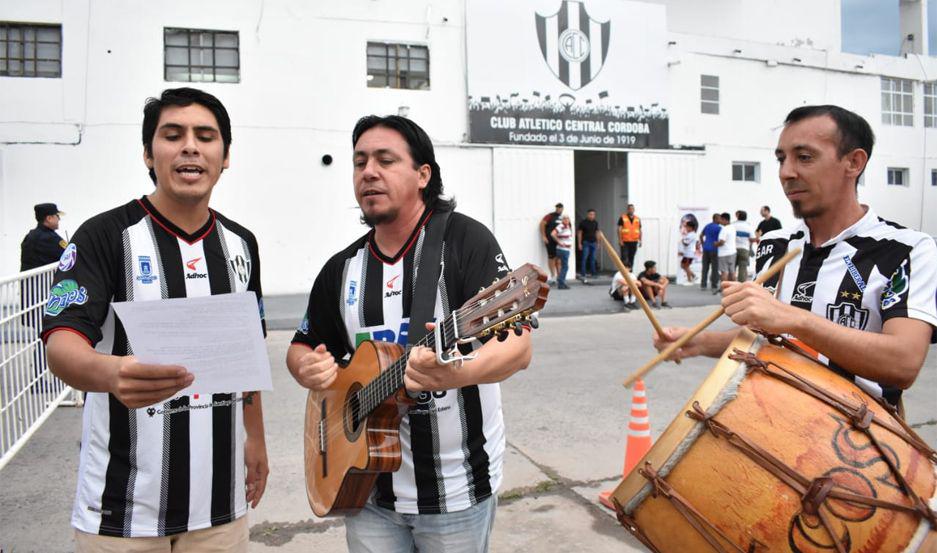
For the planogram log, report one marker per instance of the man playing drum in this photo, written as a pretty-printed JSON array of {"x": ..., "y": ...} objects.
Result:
[{"x": 862, "y": 292}]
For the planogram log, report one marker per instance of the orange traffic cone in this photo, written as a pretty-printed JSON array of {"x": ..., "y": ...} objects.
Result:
[{"x": 639, "y": 436}]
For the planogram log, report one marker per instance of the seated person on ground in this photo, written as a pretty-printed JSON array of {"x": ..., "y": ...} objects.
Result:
[
  {"x": 653, "y": 285},
  {"x": 619, "y": 291}
]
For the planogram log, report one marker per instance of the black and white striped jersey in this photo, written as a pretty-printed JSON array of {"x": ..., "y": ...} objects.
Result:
[
  {"x": 175, "y": 466},
  {"x": 453, "y": 440},
  {"x": 873, "y": 271}
]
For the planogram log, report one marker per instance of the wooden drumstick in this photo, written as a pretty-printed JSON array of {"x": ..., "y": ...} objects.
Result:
[
  {"x": 668, "y": 351},
  {"x": 631, "y": 283}
]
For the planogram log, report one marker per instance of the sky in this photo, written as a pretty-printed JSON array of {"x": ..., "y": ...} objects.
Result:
[{"x": 871, "y": 26}]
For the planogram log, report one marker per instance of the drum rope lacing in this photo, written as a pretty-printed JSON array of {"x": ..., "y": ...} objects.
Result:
[{"x": 815, "y": 492}]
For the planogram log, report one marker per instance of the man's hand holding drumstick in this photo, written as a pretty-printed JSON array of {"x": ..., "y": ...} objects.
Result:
[
  {"x": 747, "y": 304},
  {"x": 678, "y": 343}
]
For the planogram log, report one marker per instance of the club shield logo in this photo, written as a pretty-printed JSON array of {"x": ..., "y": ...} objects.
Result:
[{"x": 573, "y": 45}]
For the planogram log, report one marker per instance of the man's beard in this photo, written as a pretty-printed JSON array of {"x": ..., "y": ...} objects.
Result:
[
  {"x": 800, "y": 213},
  {"x": 388, "y": 216}
]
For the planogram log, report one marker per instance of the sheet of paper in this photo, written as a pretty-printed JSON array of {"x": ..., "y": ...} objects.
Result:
[{"x": 216, "y": 338}]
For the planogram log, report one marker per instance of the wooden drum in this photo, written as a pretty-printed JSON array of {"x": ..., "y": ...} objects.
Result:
[{"x": 775, "y": 452}]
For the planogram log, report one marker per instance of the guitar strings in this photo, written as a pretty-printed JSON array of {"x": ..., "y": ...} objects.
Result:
[{"x": 372, "y": 395}]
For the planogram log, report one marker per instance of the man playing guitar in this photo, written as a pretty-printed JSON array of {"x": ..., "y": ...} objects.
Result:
[
  {"x": 444, "y": 496},
  {"x": 862, "y": 292}
]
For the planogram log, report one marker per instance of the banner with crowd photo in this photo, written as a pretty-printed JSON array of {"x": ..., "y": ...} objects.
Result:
[
  {"x": 559, "y": 73},
  {"x": 689, "y": 246}
]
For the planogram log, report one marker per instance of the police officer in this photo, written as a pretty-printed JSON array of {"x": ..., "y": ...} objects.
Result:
[{"x": 42, "y": 245}]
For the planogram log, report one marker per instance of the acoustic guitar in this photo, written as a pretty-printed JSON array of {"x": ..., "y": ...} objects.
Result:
[{"x": 352, "y": 428}]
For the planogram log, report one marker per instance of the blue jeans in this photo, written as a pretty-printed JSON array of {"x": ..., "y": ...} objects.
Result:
[
  {"x": 588, "y": 253},
  {"x": 378, "y": 530},
  {"x": 564, "y": 265}
]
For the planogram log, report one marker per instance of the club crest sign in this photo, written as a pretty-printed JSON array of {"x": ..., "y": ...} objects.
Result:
[{"x": 574, "y": 46}]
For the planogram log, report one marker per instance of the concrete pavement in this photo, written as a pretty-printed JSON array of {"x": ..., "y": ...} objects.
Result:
[{"x": 565, "y": 416}]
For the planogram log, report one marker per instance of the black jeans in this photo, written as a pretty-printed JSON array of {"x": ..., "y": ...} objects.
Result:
[
  {"x": 710, "y": 263},
  {"x": 628, "y": 251}
]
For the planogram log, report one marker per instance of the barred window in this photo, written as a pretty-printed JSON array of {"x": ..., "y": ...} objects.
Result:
[
  {"x": 398, "y": 66},
  {"x": 898, "y": 176},
  {"x": 930, "y": 104},
  {"x": 709, "y": 94},
  {"x": 746, "y": 171},
  {"x": 30, "y": 50},
  {"x": 199, "y": 55},
  {"x": 897, "y": 102}
]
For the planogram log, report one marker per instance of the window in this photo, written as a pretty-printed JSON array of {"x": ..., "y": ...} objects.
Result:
[
  {"x": 709, "y": 94},
  {"x": 199, "y": 56},
  {"x": 930, "y": 104},
  {"x": 898, "y": 176},
  {"x": 398, "y": 66},
  {"x": 897, "y": 102},
  {"x": 746, "y": 171},
  {"x": 28, "y": 50}
]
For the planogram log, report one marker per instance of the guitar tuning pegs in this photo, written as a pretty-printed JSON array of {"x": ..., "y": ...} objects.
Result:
[
  {"x": 518, "y": 329},
  {"x": 503, "y": 335},
  {"x": 534, "y": 321}
]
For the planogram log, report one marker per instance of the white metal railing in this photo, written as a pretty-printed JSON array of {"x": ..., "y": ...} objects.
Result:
[{"x": 29, "y": 392}]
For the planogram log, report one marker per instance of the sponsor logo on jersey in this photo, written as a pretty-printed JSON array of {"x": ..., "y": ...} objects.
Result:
[
  {"x": 241, "y": 267},
  {"x": 64, "y": 294},
  {"x": 352, "y": 290},
  {"x": 391, "y": 284},
  {"x": 69, "y": 257},
  {"x": 502, "y": 266},
  {"x": 175, "y": 407},
  {"x": 854, "y": 273},
  {"x": 764, "y": 250},
  {"x": 848, "y": 315},
  {"x": 146, "y": 275},
  {"x": 192, "y": 265},
  {"x": 804, "y": 292},
  {"x": 897, "y": 287},
  {"x": 378, "y": 334}
]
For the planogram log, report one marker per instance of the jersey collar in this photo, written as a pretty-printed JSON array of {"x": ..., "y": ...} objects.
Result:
[
  {"x": 172, "y": 229},
  {"x": 372, "y": 246},
  {"x": 865, "y": 222}
]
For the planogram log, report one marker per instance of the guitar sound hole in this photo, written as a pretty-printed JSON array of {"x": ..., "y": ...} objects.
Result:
[{"x": 352, "y": 415}]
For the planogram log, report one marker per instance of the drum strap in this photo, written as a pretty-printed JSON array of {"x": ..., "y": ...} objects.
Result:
[{"x": 631, "y": 525}]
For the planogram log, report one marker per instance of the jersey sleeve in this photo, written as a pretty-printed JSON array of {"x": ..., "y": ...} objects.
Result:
[
  {"x": 322, "y": 322},
  {"x": 770, "y": 248},
  {"x": 479, "y": 263},
  {"x": 253, "y": 284},
  {"x": 84, "y": 284},
  {"x": 911, "y": 291}
]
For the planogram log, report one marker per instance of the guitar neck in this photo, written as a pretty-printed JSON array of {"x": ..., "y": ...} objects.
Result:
[{"x": 390, "y": 381}]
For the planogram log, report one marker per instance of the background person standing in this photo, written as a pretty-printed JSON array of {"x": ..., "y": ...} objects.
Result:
[
  {"x": 629, "y": 236},
  {"x": 547, "y": 223},
  {"x": 743, "y": 244},
  {"x": 709, "y": 237},
  {"x": 42, "y": 245},
  {"x": 727, "y": 253},
  {"x": 767, "y": 224},
  {"x": 586, "y": 244},
  {"x": 563, "y": 235}
]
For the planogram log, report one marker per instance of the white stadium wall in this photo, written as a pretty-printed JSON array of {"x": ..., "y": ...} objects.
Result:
[{"x": 76, "y": 140}]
